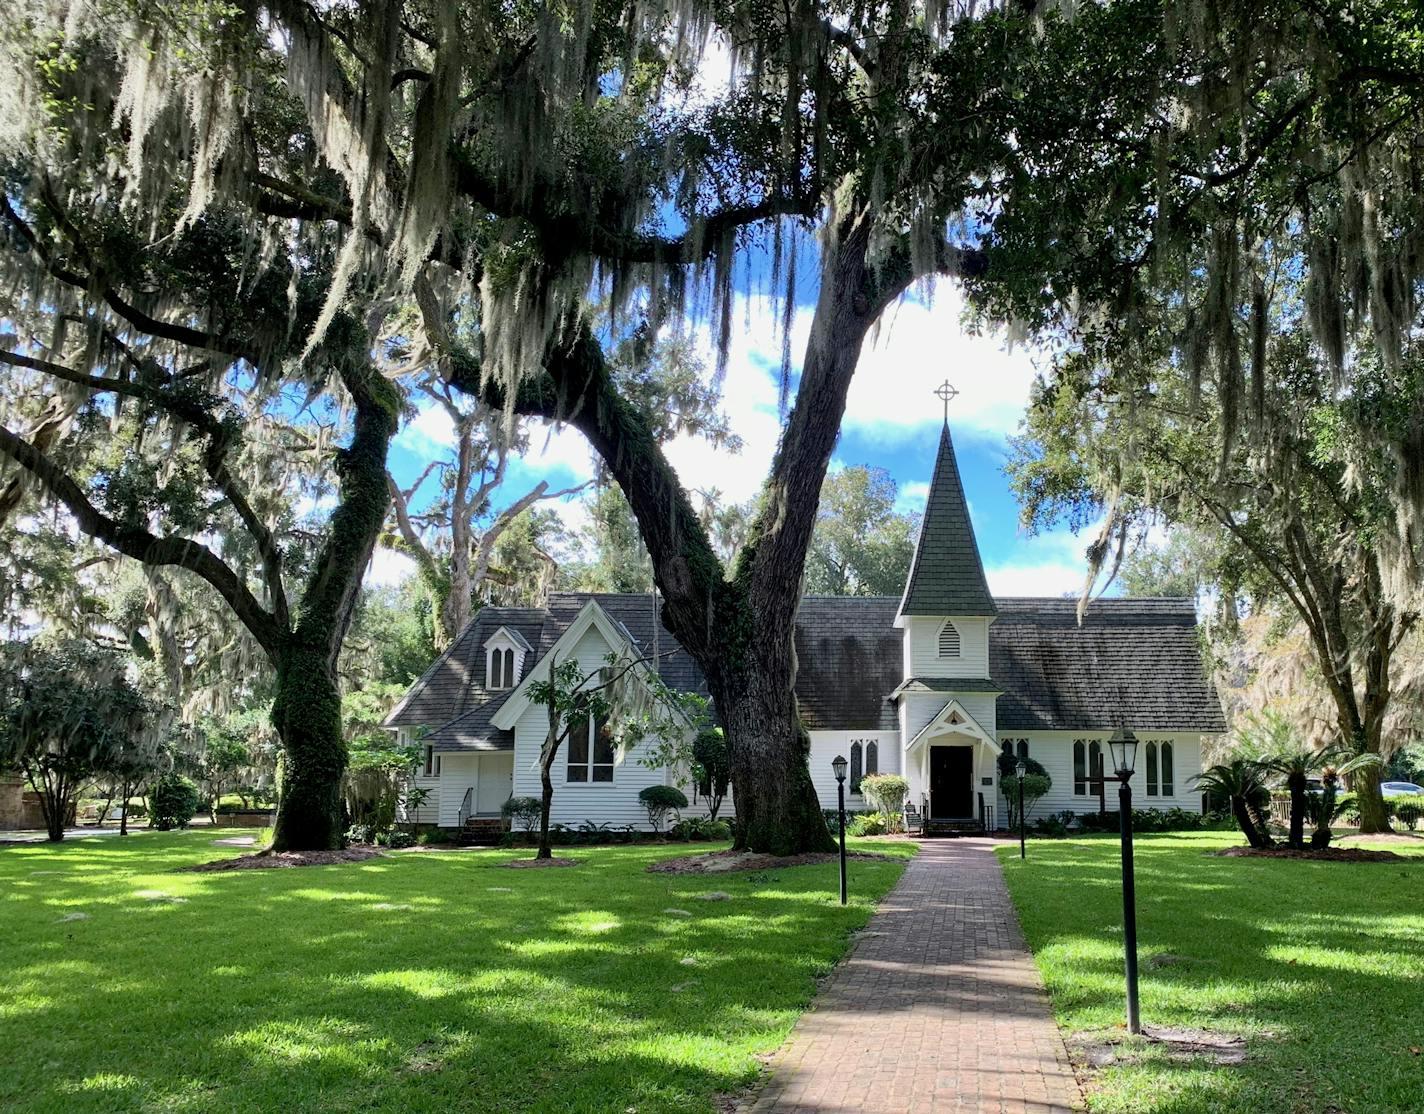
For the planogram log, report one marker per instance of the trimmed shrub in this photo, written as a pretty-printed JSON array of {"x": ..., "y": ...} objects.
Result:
[
  {"x": 659, "y": 800},
  {"x": 524, "y": 811},
  {"x": 1409, "y": 813},
  {"x": 172, "y": 802},
  {"x": 433, "y": 837},
  {"x": 887, "y": 793},
  {"x": 398, "y": 840}
]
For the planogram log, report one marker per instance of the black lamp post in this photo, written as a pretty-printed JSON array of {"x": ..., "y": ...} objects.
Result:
[
  {"x": 1123, "y": 746},
  {"x": 838, "y": 764},
  {"x": 1021, "y": 769}
]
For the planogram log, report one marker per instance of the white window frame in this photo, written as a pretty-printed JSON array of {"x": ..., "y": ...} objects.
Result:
[
  {"x": 589, "y": 765},
  {"x": 432, "y": 762}
]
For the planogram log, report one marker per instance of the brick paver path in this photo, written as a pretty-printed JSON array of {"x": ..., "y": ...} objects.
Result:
[{"x": 939, "y": 1007}]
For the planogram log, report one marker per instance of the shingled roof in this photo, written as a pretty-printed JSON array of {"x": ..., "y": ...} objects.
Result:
[
  {"x": 946, "y": 576},
  {"x": 1135, "y": 661},
  {"x": 1132, "y": 660},
  {"x": 848, "y": 662}
]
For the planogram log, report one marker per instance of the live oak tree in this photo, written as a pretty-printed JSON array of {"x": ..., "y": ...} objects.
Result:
[
  {"x": 68, "y": 716},
  {"x": 1298, "y": 529},
  {"x": 162, "y": 316}
]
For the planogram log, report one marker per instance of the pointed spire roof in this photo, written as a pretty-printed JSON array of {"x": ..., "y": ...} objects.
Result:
[{"x": 946, "y": 575}]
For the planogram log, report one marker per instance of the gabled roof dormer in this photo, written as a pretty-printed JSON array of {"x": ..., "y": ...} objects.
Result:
[
  {"x": 946, "y": 575},
  {"x": 505, "y": 651}
]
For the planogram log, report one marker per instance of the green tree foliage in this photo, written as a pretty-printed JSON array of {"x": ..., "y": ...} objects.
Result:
[
  {"x": 68, "y": 715},
  {"x": 660, "y": 800},
  {"x": 712, "y": 767},
  {"x": 861, "y": 545},
  {"x": 615, "y": 559},
  {"x": 172, "y": 802}
]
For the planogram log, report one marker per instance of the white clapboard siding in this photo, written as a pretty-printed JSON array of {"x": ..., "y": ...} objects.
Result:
[
  {"x": 921, "y": 707},
  {"x": 922, "y": 648},
  {"x": 616, "y": 802},
  {"x": 1055, "y": 751},
  {"x": 826, "y": 745}
]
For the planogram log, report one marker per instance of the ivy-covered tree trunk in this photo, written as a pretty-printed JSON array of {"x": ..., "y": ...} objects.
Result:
[
  {"x": 307, "y": 716},
  {"x": 777, "y": 809}
]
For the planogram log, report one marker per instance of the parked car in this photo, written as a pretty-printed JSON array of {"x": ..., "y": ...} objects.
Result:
[{"x": 1401, "y": 789}]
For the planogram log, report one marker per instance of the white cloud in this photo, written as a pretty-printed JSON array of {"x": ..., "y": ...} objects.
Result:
[
  {"x": 388, "y": 568},
  {"x": 552, "y": 447},
  {"x": 917, "y": 348},
  {"x": 430, "y": 433},
  {"x": 1049, "y": 564},
  {"x": 912, "y": 496}
]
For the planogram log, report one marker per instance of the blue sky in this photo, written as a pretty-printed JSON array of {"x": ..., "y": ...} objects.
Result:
[{"x": 892, "y": 420}]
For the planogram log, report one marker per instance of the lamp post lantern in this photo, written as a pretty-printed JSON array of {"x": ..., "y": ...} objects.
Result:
[
  {"x": 1021, "y": 769},
  {"x": 838, "y": 766},
  {"x": 1123, "y": 746}
]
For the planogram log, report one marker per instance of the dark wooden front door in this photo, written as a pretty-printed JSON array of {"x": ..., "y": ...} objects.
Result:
[{"x": 951, "y": 783}]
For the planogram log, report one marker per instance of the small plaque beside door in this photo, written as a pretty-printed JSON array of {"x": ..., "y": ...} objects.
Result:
[{"x": 986, "y": 781}]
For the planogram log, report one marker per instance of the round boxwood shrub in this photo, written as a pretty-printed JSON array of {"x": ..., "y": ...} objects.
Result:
[
  {"x": 524, "y": 811},
  {"x": 659, "y": 800},
  {"x": 172, "y": 802}
]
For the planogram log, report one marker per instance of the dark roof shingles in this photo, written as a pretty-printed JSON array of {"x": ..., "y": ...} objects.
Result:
[
  {"x": 946, "y": 574},
  {"x": 1132, "y": 659}
]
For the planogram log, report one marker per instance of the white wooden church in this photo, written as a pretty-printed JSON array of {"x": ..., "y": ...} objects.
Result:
[{"x": 934, "y": 685}]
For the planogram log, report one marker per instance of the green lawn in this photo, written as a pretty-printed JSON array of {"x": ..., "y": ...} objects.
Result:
[
  {"x": 421, "y": 981},
  {"x": 1320, "y": 966}
]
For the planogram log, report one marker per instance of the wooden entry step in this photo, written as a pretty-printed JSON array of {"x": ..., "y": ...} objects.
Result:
[
  {"x": 482, "y": 830},
  {"x": 953, "y": 827}
]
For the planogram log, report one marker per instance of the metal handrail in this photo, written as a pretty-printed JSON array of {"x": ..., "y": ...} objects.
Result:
[{"x": 467, "y": 806}]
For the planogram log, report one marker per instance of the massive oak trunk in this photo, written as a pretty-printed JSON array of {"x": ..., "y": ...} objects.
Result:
[{"x": 307, "y": 716}]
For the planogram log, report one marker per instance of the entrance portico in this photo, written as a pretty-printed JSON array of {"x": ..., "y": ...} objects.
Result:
[{"x": 952, "y": 767}]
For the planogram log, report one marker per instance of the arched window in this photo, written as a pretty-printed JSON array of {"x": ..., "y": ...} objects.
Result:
[
  {"x": 949, "y": 640},
  {"x": 1023, "y": 748},
  {"x": 1168, "y": 789},
  {"x": 1006, "y": 748},
  {"x": 1152, "y": 769},
  {"x": 872, "y": 758},
  {"x": 1080, "y": 769},
  {"x": 855, "y": 767},
  {"x": 509, "y": 669},
  {"x": 1095, "y": 758}
]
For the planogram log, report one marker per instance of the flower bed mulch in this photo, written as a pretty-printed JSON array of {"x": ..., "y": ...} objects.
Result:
[
  {"x": 723, "y": 862},
  {"x": 272, "y": 860},
  {"x": 526, "y": 864},
  {"x": 1323, "y": 854}
]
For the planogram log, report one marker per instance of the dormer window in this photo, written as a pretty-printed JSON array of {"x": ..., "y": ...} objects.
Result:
[
  {"x": 504, "y": 657},
  {"x": 501, "y": 671},
  {"x": 949, "y": 640}
]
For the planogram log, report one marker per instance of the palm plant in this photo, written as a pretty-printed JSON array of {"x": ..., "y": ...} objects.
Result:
[
  {"x": 1323, "y": 806},
  {"x": 1243, "y": 783},
  {"x": 1294, "y": 766}
]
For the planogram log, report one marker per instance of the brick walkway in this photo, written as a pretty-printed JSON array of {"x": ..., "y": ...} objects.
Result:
[{"x": 939, "y": 1008}]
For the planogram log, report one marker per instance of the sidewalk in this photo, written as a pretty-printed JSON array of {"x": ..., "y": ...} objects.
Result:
[{"x": 939, "y": 1008}]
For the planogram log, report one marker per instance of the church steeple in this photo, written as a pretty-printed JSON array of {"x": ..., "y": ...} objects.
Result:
[{"x": 946, "y": 575}]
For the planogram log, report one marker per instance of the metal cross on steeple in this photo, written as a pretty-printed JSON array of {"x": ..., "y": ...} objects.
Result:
[{"x": 946, "y": 391}]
